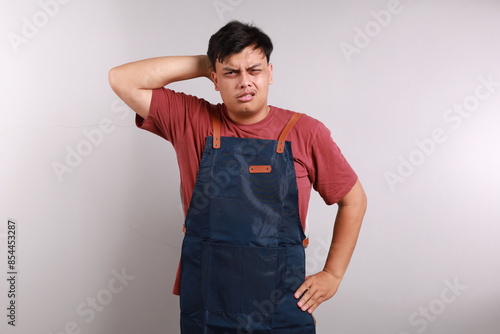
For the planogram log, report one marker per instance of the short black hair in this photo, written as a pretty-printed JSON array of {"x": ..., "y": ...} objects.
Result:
[{"x": 233, "y": 38}]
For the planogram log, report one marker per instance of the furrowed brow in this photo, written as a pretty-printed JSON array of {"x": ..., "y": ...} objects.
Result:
[{"x": 255, "y": 66}]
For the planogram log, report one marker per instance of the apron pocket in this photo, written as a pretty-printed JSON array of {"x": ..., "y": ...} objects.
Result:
[{"x": 242, "y": 279}]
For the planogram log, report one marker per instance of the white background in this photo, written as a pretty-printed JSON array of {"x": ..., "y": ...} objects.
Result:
[{"x": 118, "y": 209}]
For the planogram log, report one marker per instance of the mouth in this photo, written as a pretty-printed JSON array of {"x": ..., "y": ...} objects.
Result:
[{"x": 246, "y": 97}]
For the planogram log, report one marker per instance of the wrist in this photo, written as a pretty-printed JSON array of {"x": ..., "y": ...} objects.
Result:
[
  {"x": 205, "y": 66},
  {"x": 334, "y": 273}
]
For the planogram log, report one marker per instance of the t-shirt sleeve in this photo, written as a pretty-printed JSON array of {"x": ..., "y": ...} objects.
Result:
[
  {"x": 171, "y": 114},
  {"x": 333, "y": 177}
]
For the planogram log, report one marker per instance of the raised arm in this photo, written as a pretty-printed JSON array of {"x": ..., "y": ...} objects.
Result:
[{"x": 133, "y": 82}]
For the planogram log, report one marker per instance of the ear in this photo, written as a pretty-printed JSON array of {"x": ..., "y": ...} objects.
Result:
[
  {"x": 215, "y": 80},
  {"x": 270, "y": 70}
]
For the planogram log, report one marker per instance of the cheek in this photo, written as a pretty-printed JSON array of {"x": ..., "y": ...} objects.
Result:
[
  {"x": 227, "y": 88},
  {"x": 223, "y": 90},
  {"x": 225, "y": 95},
  {"x": 222, "y": 85}
]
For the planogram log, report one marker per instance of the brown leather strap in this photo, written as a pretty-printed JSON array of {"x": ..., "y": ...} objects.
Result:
[
  {"x": 215, "y": 126},
  {"x": 305, "y": 242},
  {"x": 281, "y": 140},
  {"x": 260, "y": 169}
]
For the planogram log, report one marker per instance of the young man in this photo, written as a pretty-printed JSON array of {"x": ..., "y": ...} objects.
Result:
[{"x": 246, "y": 170}]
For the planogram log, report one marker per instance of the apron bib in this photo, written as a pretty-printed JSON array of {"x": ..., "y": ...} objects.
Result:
[{"x": 242, "y": 255}]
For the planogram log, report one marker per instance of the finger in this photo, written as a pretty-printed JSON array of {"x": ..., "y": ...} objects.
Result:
[
  {"x": 304, "y": 299},
  {"x": 316, "y": 299},
  {"x": 303, "y": 288},
  {"x": 312, "y": 308},
  {"x": 308, "y": 300},
  {"x": 309, "y": 296}
]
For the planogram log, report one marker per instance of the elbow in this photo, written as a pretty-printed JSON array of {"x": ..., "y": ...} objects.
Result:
[
  {"x": 113, "y": 78},
  {"x": 118, "y": 82},
  {"x": 364, "y": 201}
]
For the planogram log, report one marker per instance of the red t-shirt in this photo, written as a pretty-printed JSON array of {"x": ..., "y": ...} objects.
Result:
[{"x": 185, "y": 121}]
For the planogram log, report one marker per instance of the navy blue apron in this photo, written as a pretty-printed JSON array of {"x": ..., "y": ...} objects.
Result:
[{"x": 242, "y": 255}]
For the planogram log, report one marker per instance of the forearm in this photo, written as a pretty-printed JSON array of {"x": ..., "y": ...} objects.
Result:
[
  {"x": 158, "y": 72},
  {"x": 133, "y": 82},
  {"x": 345, "y": 235}
]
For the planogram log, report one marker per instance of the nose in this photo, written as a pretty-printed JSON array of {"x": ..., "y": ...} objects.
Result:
[{"x": 245, "y": 79}]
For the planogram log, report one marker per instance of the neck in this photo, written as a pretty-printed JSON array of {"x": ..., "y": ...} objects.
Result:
[{"x": 248, "y": 117}]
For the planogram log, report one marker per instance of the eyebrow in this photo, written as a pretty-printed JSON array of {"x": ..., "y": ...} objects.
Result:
[
  {"x": 227, "y": 68},
  {"x": 254, "y": 66}
]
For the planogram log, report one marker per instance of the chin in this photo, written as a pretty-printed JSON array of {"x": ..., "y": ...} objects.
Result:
[
  {"x": 250, "y": 107},
  {"x": 244, "y": 109}
]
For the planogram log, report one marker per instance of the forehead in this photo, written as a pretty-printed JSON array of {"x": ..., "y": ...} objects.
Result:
[{"x": 249, "y": 56}]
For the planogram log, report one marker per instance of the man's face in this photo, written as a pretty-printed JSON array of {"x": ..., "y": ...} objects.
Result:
[{"x": 243, "y": 80}]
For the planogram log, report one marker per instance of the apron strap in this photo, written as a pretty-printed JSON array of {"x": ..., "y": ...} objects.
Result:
[
  {"x": 282, "y": 138},
  {"x": 281, "y": 148},
  {"x": 215, "y": 126}
]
